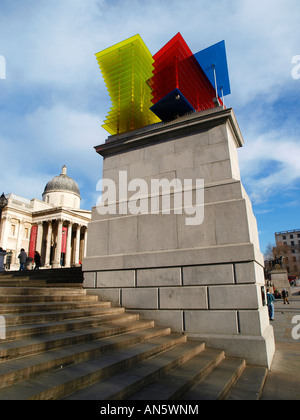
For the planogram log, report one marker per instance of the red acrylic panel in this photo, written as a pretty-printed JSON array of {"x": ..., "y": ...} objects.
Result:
[{"x": 175, "y": 67}]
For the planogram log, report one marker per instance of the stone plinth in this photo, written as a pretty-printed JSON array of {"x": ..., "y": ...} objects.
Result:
[
  {"x": 280, "y": 280},
  {"x": 202, "y": 279}
]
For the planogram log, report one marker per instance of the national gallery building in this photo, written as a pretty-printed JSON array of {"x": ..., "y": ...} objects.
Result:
[{"x": 56, "y": 227}]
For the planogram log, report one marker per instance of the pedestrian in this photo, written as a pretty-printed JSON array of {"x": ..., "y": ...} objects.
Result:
[
  {"x": 37, "y": 260},
  {"x": 270, "y": 300},
  {"x": 285, "y": 295},
  {"x": 22, "y": 257}
]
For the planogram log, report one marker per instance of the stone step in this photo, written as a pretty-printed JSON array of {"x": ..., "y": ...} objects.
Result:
[
  {"x": 23, "y": 308},
  {"x": 19, "y": 348},
  {"x": 181, "y": 378},
  {"x": 216, "y": 385},
  {"x": 61, "y": 291},
  {"x": 27, "y": 330},
  {"x": 160, "y": 378},
  {"x": 60, "y": 383},
  {"x": 21, "y": 319},
  {"x": 24, "y": 368},
  {"x": 249, "y": 386},
  {"x": 40, "y": 298},
  {"x": 41, "y": 284}
]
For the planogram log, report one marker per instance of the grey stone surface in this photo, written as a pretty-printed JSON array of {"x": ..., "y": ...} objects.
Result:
[
  {"x": 159, "y": 277},
  {"x": 211, "y": 271},
  {"x": 208, "y": 274}
]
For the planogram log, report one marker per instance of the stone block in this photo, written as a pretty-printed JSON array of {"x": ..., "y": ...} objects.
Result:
[
  {"x": 159, "y": 277},
  {"x": 97, "y": 238},
  {"x": 210, "y": 154},
  {"x": 197, "y": 141},
  {"x": 127, "y": 158},
  {"x": 211, "y": 322},
  {"x": 157, "y": 232},
  {"x": 89, "y": 280},
  {"x": 208, "y": 275},
  {"x": 140, "y": 298},
  {"x": 173, "y": 162},
  {"x": 249, "y": 272},
  {"x": 118, "y": 278},
  {"x": 157, "y": 150},
  {"x": 171, "y": 318},
  {"x": 183, "y": 298},
  {"x": 254, "y": 322},
  {"x": 231, "y": 222},
  {"x": 234, "y": 297},
  {"x": 122, "y": 236},
  {"x": 109, "y": 295}
]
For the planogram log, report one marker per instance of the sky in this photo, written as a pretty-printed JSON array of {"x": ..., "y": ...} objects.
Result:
[{"x": 53, "y": 99}]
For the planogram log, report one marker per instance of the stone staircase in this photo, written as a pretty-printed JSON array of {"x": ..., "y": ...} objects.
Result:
[{"x": 64, "y": 343}]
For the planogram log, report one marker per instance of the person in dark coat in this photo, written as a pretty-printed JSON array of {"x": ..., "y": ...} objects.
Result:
[
  {"x": 37, "y": 260},
  {"x": 285, "y": 295},
  {"x": 22, "y": 257}
]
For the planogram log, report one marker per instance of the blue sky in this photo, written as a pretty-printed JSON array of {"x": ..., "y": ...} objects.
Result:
[{"x": 53, "y": 100}]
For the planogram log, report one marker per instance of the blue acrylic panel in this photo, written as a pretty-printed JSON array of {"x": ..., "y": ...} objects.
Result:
[
  {"x": 215, "y": 56},
  {"x": 171, "y": 106}
]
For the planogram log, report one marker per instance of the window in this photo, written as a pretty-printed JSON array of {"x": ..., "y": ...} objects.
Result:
[
  {"x": 291, "y": 236},
  {"x": 284, "y": 237},
  {"x": 13, "y": 230},
  {"x": 292, "y": 242}
]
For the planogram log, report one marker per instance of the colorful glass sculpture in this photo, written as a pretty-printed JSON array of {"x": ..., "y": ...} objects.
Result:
[
  {"x": 126, "y": 67},
  {"x": 145, "y": 89}
]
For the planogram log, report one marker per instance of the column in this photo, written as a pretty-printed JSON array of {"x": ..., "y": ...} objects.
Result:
[
  {"x": 20, "y": 236},
  {"x": 68, "y": 248},
  {"x": 85, "y": 242},
  {"x": 48, "y": 246},
  {"x": 5, "y": 222},
  {"x": 77, "y": 246},
  {"x": 39, "y": 237},
  {"x": 56, "y": 262}
]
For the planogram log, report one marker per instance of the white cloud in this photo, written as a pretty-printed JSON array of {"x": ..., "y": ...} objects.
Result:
[{"x": 270, "y": 162}]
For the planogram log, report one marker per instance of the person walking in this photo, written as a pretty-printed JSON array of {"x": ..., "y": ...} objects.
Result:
[
  {"x": 37, "y": 260},
  {"x": 270, "y": 300},
  {"x": 285, "y": 295},
  {"x": 22, "y": 257}
]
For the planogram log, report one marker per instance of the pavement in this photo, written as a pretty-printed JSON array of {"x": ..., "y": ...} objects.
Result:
[{"x": 283, "y": 380}]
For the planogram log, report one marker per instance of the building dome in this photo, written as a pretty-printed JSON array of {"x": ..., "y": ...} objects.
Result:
[
  {"x": 62, "y": 191},
  {"x": 63, "y": 183}
]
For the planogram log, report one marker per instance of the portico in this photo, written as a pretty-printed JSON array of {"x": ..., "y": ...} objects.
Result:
[{"x": 56, "y": 227}]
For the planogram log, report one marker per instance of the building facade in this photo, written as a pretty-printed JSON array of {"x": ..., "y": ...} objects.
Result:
[
  {"x": 291, "y": 240},
  {"x": 55, "y": 226}
]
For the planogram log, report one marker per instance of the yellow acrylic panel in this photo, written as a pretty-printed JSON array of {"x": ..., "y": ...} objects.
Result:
[{"x": 125, "y": 68}]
